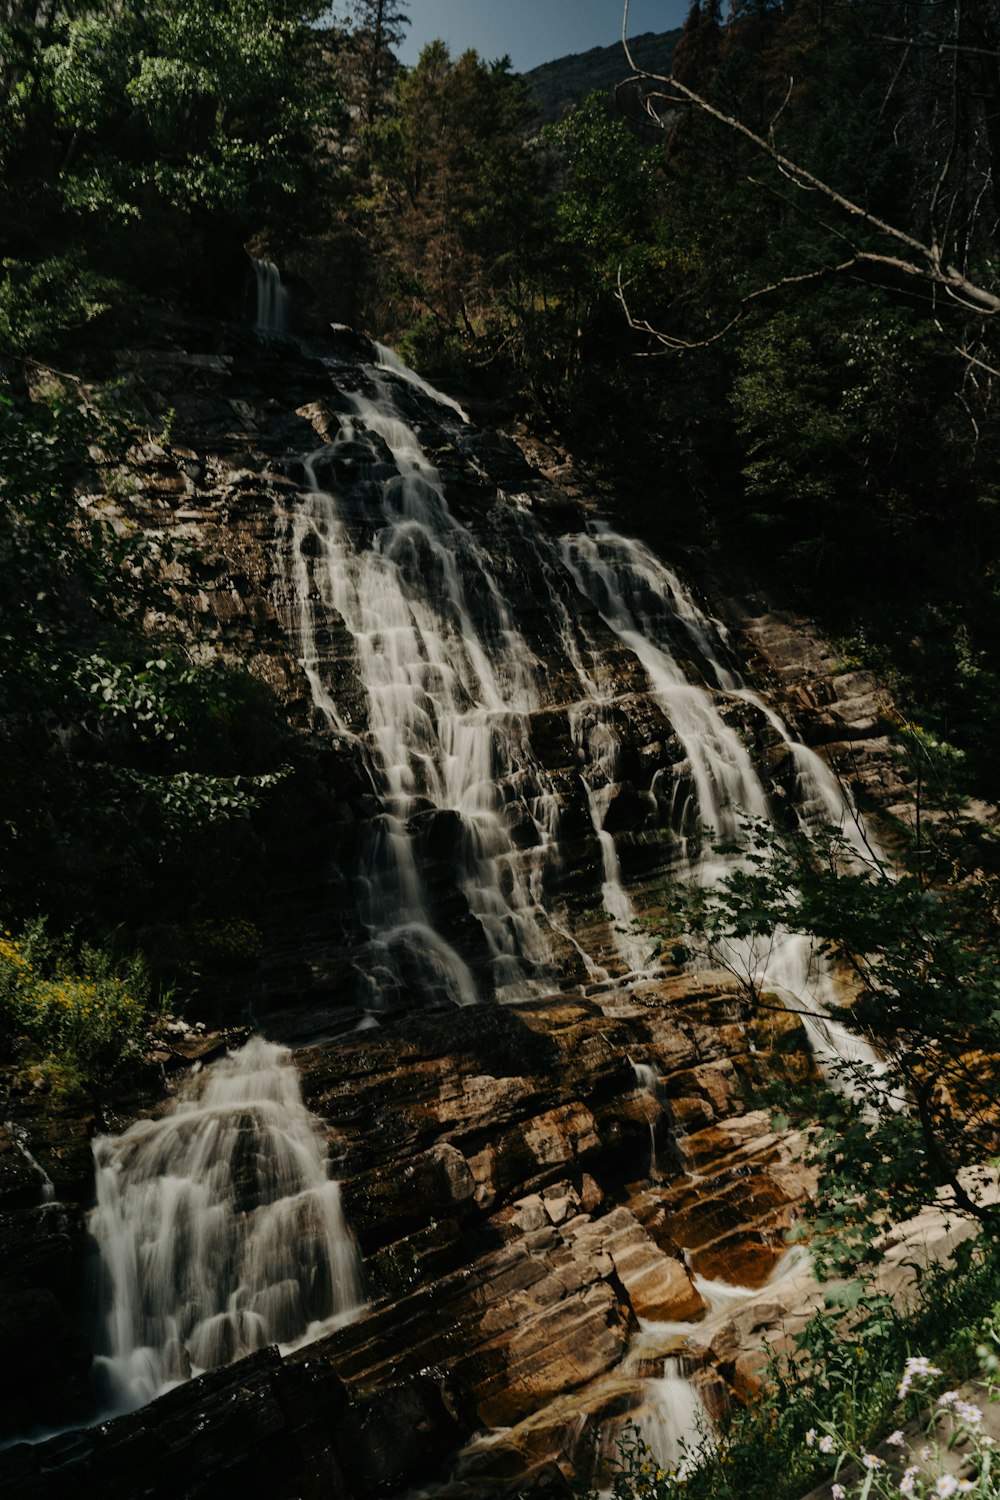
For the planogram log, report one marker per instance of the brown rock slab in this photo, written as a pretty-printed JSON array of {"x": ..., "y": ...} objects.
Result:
[{"x": 657, "y": 1285}]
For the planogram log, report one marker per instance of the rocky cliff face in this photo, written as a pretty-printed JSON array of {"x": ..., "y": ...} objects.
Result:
[{"x": 526, "y": 1181}]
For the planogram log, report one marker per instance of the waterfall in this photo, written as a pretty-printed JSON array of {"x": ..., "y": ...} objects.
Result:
[
  {"x": 450, "y": 686},
  {"x": 652, "y": 612},
  {"x": 673, "y": 1419},
  {"x": 647, "y": 1080},
  {"x": 470, "y": 821},
  {"x": 643, "y": 603},
  {"x": 271, "y": 314},
  {"x": 481, "y": 674},
  {"x": 219, "y": 1228}
]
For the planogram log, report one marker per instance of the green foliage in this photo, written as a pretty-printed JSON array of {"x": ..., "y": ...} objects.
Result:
[
  {"x": 132, "y": 771},
  {"x": 437, "y": 163},
  {"x": 143, "y": 142},
  {"x": 924, "y": 963},
  {"x": 840, "y": 1384},
  {"x": 78, "y": 1009},
  {"x": 41, "y": 303},
  {"x": 377, "y": 28}
]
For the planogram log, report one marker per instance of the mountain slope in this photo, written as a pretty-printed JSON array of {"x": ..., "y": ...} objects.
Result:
[{"x": 560, "y": 85}]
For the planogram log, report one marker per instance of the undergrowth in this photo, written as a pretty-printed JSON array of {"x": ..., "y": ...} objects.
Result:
[
  {"x": 834, "y": 1396},
  {"x": 69, "y": 1012}
]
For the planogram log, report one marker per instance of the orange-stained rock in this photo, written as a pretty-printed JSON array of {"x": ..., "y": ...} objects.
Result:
[
  {"x": 658, "y": 1286},
  {"x": 747, "y": 1257}
]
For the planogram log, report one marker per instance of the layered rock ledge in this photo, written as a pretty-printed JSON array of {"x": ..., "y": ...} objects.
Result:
[{"x": 495, "y": 1167}]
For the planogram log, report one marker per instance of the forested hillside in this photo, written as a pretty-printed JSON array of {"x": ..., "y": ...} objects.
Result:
[
  {"x": 749, "y": 300},
  {"x": 562, "y": 85}
]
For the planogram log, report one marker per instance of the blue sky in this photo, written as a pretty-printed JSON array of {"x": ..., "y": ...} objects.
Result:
[{"x": 531, "y": 31}]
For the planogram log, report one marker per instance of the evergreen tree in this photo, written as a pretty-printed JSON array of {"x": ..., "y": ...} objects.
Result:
[
  {"x": 437, "y": 165},
  {"x": 379, "y": 27}
]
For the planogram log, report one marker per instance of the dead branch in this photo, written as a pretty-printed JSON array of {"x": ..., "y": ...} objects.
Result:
[
  {"x": 640, "y": 325},
  {"x": 929, "y": 45},
  {"x": 923, "y": 261}
]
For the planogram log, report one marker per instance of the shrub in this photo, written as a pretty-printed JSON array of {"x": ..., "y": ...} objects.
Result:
[{"x": 80, "y": 1010}]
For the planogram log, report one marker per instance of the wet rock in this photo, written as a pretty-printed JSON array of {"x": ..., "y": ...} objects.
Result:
[
  {"x": 497, "y": 456},
  {"x": 658, "y": 1287},
  {"x": 395, "y": 1438},
  {"x": 38, "y": 1244},
  {"x": 21, "y": 1181},
  {"x": 380, "y": 1204},
  {"x": 43, "y": 1361}
]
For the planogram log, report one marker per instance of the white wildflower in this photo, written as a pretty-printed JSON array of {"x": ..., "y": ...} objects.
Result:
[{"x": 916, "y": 1367}]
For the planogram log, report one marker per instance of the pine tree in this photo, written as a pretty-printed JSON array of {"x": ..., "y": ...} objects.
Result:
[{"x": 379, "y": 27}]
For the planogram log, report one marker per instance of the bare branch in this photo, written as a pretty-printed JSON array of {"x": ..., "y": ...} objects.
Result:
[
  {"x": 926, "y": 263},
  {"x": 969, "y": 357},
  {"x": 640, "y": 325},
  {"x": 909, "y": 41},
  {"x": 780, "y": 110}
]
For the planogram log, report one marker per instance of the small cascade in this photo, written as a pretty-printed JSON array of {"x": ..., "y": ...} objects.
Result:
[
  {"x": 663, "y": 1402},
  {"x": 220, "y": 1230},
  {"x": 673, "y": 1419},
  {"x": 271, "y": 312},
  {"x": 647, "y": 1080},
  {"x": 598, "y": 749},
  {"x": 47, "y": 1186},
  {"x": 636, "y": 597},
  {"x": 388, "y": 359},
  {"x": 668, "y": 1408}
]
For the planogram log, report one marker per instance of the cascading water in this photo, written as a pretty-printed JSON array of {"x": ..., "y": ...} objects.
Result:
[
  {"x": 598, "y": 749},
  {"x": 651, "y": 612},
  {"x": 220, "y": 1230},
  {"x": 647, "y": 1080},
  {"x": 450, "y": 688},
  {"x": 673, "y": 1418},
  {"x": 271, "y": 312},
  {"x": 643, "y": 603}
]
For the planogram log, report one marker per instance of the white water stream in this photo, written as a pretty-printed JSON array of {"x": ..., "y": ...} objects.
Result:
[
  {"x": 220, "y": 1230},
  {"x": 451, "y": 688},
  {"x": 654, "y": 614},
  {"x": 271, "y": 311}
]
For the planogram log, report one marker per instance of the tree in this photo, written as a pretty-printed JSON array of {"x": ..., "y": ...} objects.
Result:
[
  {"x": 942, "y": 249},
  {"x": 379, "y": 28},
  {"x": 436, "y": 161},
  {"x": 923, "y": 959},
  {"x": 148, "y": 143}
]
